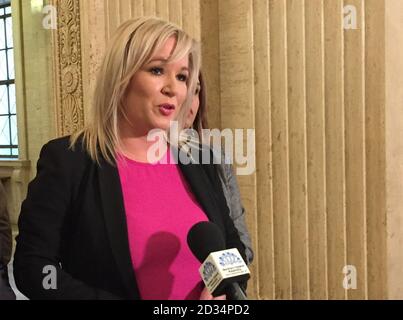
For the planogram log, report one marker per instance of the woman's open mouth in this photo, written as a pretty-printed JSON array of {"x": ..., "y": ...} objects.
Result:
[{"x": 166, "y": 109}]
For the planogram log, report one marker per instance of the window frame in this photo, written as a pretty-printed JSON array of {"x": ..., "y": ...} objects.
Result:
[{"x": 7, "y": 83}]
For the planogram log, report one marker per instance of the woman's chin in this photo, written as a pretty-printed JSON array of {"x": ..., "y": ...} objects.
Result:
[
  {"x": 165, "y": 124},
  {"x": 161, "y": 125}
]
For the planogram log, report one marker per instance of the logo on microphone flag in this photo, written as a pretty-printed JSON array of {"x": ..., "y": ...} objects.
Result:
[
  {"x": 208, "y": 271},
  {"x": 221, "y": 265},
  {"x": 228, "y": 258}
]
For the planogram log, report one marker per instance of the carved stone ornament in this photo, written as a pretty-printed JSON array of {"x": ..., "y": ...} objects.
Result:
[{"x": 68, "y": 42}]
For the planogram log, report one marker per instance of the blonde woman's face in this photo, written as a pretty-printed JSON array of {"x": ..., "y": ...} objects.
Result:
[{"x": 156, "y": 92}]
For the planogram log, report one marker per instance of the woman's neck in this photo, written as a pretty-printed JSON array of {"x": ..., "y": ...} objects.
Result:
[
  {"x": 136, "y": 147},
  {"x": 134, "y": 143}
]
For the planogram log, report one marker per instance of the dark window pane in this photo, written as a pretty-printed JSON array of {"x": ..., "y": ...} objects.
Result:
[{"x": 4, "y": 2}]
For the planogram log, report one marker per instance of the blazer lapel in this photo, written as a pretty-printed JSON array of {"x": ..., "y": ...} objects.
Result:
[
  {"x": 202, "y": 190},
  {"x": 115, "y": 221}
]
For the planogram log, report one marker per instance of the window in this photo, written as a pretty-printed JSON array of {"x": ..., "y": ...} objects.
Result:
[{"x": 8, "y": 113}]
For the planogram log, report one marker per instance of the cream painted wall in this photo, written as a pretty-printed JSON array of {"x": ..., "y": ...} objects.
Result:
[
  {"x": 38, "y": 73},
  {"x": 35, "y": 104},
  {"x": 315, "y": 93},
  {"x": 394, "y": 146}
]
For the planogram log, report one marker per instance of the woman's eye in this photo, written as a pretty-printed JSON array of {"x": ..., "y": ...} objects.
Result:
[
  {"x": 156, "y": 71},
  {"x": 182, "y": 77}
]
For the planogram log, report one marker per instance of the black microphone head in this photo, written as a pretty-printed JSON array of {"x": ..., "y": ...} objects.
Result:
[{"x": 203, "y": 238}]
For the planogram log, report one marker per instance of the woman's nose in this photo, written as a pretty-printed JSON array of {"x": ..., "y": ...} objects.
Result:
[{"x": 169, "y": 88}]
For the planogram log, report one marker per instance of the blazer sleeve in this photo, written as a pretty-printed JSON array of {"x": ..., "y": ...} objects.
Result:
[
  {"x": 236, "y": 209},
  {"x": 232, "y": 237},
  {"x": 40, "y": 224}
]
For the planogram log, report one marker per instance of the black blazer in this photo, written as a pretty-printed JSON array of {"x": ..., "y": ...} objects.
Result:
[{"x": 73, "y": 219}]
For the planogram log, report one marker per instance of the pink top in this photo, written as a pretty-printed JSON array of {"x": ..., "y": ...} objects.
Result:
[{"x": 160, "y": 210}]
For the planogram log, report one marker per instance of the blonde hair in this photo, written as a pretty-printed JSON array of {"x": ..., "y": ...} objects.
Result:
[{"x": 131, "y": 48}]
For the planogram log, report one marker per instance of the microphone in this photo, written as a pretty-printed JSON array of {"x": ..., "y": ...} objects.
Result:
[{"x": 222, "y": 269}]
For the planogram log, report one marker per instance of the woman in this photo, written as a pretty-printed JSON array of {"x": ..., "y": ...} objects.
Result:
[
  {"x": 99, "y": 217},
  {"x": 197, "y": 120}
]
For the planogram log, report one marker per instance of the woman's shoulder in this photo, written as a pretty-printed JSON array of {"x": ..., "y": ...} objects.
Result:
[
  {"x": 62, "y": 142},
  {"x": 62, "y": 149}
]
